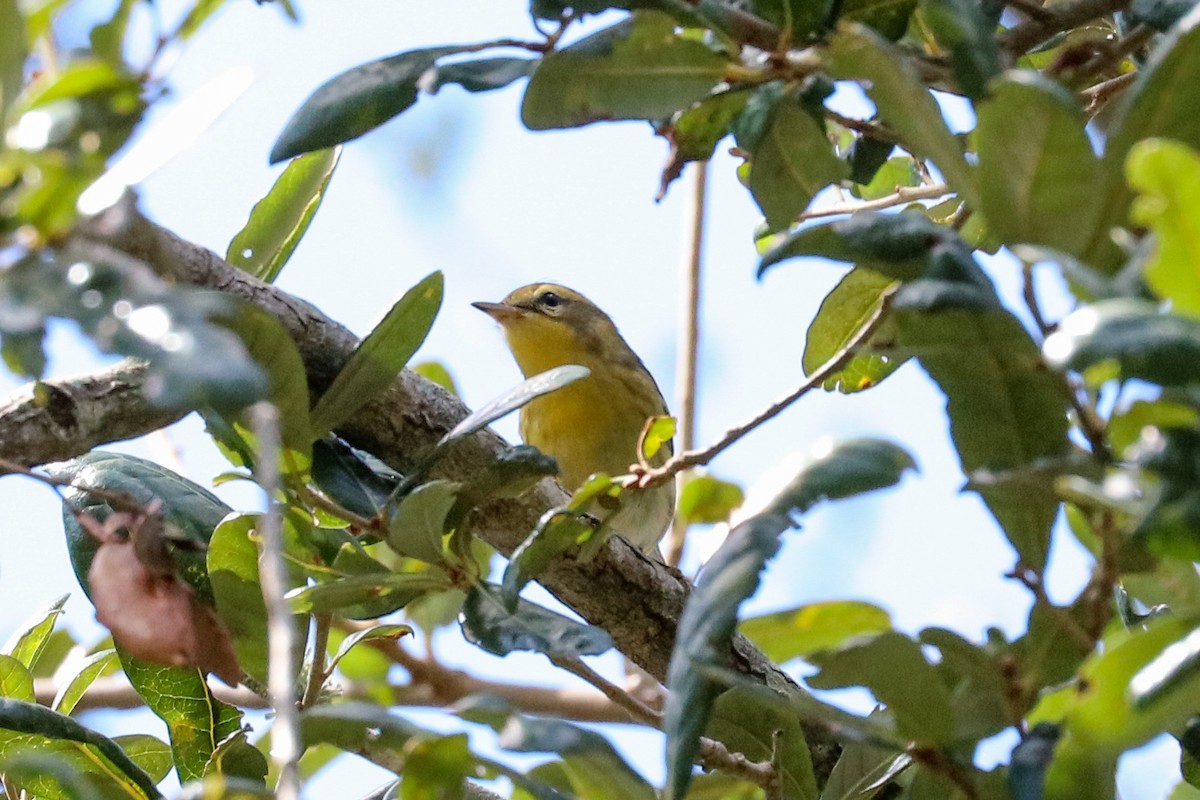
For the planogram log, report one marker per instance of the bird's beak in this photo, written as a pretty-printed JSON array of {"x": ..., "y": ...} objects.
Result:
[{"x": 500, "y": 312}]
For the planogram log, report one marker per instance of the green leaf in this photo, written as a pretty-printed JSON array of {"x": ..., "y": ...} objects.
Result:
[
  {"x": 386, "y": 590},
  {"x": 483, "y": 74},
  {"x": 437, "y": 373},
  {"x": 487, "y": 623},
  {"x": 791, "y": 160},
  {"x": 744, "y": 721},
  {"x": 978, "y": 684},
  {"x": 108, "y": 38},
  {"x": 388, "y": 632},
  {"x": 362, "y": 728},
  {"x": 514, "y": 398},
  {"x": 842, "y": 469},
  {"x": 357, "y": 101},
  {"x": 706, "y": 499},
  {"x": 799, "y": 19},
  {"x": 557, "y": 532},
  {"x": 417, "y": 527},
  {"x": 1037, "y": 171},
  {"x": 885, "y": 178},
  {"x": 1164, "y": 174},
  {"x": 637, "y": 69},
  {"x": 13, "y": 53},
  {"x": 696, "y": 131},
  {"x": 28, "y": 725},
  {"x": 863, "y": 771},
  {"x": 897, "y": 246},
  {"x": 892, "y": 667},
  {"x": 1007, "y": 412},
  {"x": 903, "y": 102},
  {"x": 379, "y": 357},
  {"x": 233, "y": 556},
  {"x": 842, "y": 314},
  {"x": 1128, "y": 339},
  {"x": 705, "y": 630},
  {"x": 235, "y": 757},
  {"x": 811, "y": 628},
  {"x": 74, "y": 685},
  {"x": 961, "y": 27},
  {"x": 27, "y": 642},
  {"x": 196, "y": 720},
  {"x": 280, "y": 219},
  {"x": 16, "y": 682},
  {"x": 149, "y": 752}
]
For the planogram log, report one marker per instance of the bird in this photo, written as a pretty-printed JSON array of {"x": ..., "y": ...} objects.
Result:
[{"x": 592, "y": 425}]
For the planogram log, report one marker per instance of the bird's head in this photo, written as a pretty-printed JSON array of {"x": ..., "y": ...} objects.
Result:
[{"x": 548, "y": 325}]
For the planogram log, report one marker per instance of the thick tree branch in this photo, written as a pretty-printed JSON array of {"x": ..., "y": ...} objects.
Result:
[{"x": 637, "y": 600}]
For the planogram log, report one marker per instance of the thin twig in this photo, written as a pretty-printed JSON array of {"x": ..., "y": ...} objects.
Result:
[
  {"x": 715, "y": 755},
  {"x": 1029, "y": 293},
  {"x": 775, "y": 790},
  {"x": 902, "y": 195},
  {"x": 1099, "y": 95},
  {"x": 636, "y": 708},
  {"x": 1061, "y": 17},
  {"x": 317, "y": 674},
  {"x": 285, "y": 737},
  {"x": 692, "y": 458},
  {"x": 688, "y": 353},
  {"x": 869, "y": 127},
  {"x": 118, "y": 500}
]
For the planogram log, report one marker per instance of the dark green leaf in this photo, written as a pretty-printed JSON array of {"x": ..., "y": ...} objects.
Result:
[
  {"x": 1007, "y": 411},
  {"x": 863, "y": 771},
  {"x": 557, "y": 532},
  {"x": 27, "y": 642},
  {"x": 30, "y": 725},
  {"x": 150, "y": 753},
  {"x": 903, "y": 102},
  {"x": 487, "y": 623},
  {"x": 362, "y": 728},
  {"x": 801, "y": 20},
  {"x": 280, "y": 219},
  {"x": 356, "y": 480},
  {"x": 894, "y": 245},
  {"x": 235, "y": 757},
  {"x": 594, "y": 768},
  {"x": 1128, "y": 339},
  {"x": 745, "y": 722},
  {"x": 696, "y": 131},
  {"x": 706, "y": 499},
  {"x": 981, "y": 693},
  {"x": 1155, "y": 106},
  {"x": 961, "y": 27},
  {"x": 1165, "y": 175},
  {"x": 189, "y": 511},
  {"x": 483, "y": 74},
  {"x": 842, "y": 469},
  {"x": 705, "y": 630},
  {"x": 888, "y": 17},
  {"x": 637, "y": 69},
  {"x": 379, "y": 357},
  {"x": 514, "y": 398},
  {"x": 811, "y": 628},
  {"x": 356, "y": 101},
  {"x": 842, "y": 314},
  {"x": 108, "y": 38},
  {"x": 1037, "y": 171},
  {"x": 867, "y": 156},
  {"x": 417, "y": 527},
  {"x": 892, "y": 666}
]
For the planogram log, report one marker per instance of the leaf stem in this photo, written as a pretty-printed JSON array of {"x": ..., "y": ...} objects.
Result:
[{"x": 902, "y": 195}]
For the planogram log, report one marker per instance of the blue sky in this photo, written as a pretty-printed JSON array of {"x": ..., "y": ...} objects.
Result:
[{"x": 457, "y": 184}]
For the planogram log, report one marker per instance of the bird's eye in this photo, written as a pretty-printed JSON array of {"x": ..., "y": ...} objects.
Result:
[{"x": 549, "y": 300}]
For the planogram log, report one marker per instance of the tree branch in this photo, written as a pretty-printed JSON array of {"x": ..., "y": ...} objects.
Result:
[
  {"x": 637, "y": 600},
  {"x": 1058, "y": 18}
]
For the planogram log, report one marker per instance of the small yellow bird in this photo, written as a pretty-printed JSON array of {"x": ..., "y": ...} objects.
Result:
[{"x": 592, "y": 425}]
